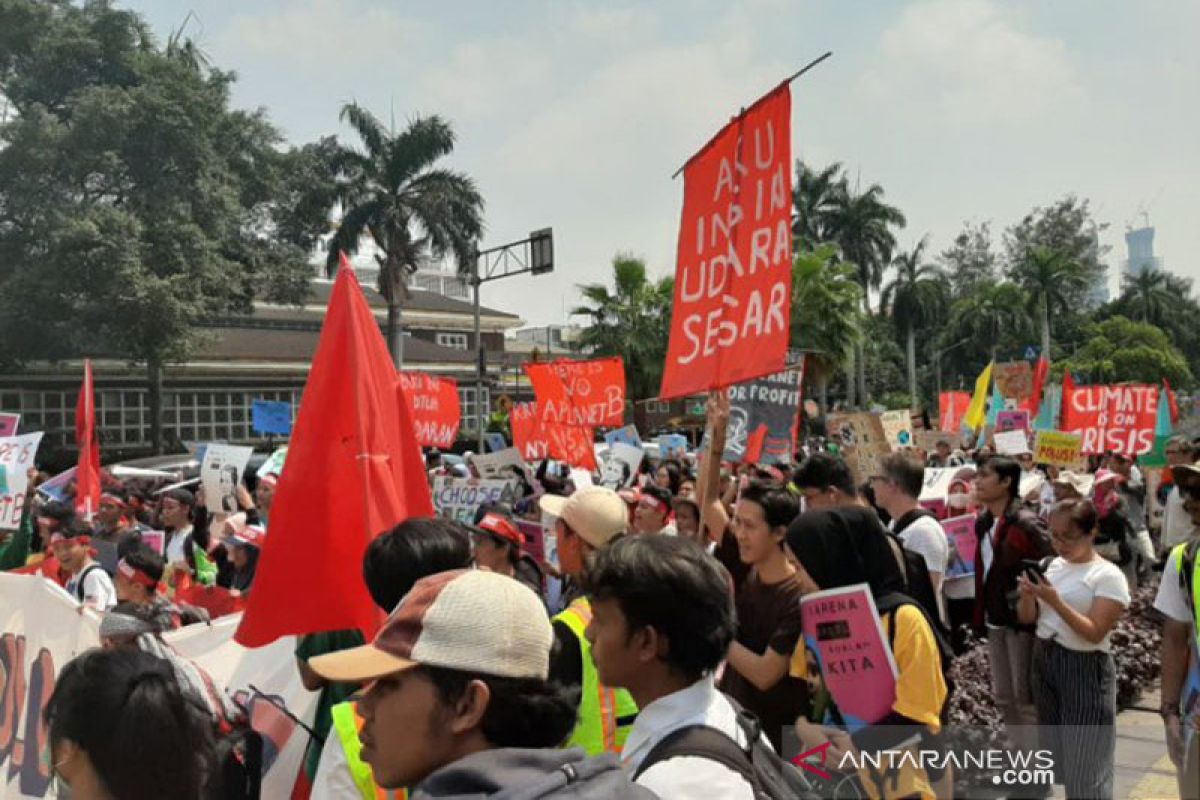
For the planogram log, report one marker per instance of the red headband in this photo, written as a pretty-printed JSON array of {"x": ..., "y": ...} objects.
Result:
[
  {"x": 113, "y": 499},
  {"x": 654, "y": 502},
  {"x": 134, "y": 574},
  {"x": 57, "y": 537},
  {"x": 494, "y": 523},
  {"x": 270, "y": 479}
]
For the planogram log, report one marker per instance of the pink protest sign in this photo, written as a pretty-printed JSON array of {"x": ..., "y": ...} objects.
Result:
[
  {"x": 8, "y": 424},
  {"x": 960, "y": 535},
  {"x": 846, "y": 654},
  {"x": 1012, "y": 421}
]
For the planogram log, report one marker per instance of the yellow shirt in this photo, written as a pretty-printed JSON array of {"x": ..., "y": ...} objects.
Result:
[{"x": 920, "y": 693}]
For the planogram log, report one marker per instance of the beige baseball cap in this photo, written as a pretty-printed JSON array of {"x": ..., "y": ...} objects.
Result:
[
  {"x": 1080, "y": 483},
  {"x": 596, "y": 513},
  {"x": 466, "y": 620}
]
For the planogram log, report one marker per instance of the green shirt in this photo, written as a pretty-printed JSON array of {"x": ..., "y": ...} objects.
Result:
[{"x": 316, "y": 644}]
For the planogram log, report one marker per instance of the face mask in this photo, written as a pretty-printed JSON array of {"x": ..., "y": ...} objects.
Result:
[{"x": 958, "y": 500}]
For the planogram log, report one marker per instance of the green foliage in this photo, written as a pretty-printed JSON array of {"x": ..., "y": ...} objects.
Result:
[
  {"x": 970, "y": 261},
  {"x": 1119, "y": 349},
  {"x": 826, "y": 312},
  {"x": 632, "y": 322},
  {"x": 1065, "y": 229}
]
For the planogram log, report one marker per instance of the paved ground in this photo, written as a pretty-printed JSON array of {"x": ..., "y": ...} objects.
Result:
[{"x": 1143, "y": 770}]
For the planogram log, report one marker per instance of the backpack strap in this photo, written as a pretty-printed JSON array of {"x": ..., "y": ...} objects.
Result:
[
  {"x": 909, "y": 518},
  {"x": 83, "y": 577},
  {"x": 702, "y": 741}
]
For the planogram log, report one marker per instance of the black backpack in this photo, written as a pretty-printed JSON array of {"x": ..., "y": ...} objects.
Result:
[
  {"x": 917, "y": 586},
  {"x": 771, "y": 777},
  {"x": 79, "y": 590}
]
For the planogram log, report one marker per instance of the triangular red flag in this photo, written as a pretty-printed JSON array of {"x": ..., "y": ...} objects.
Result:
[
  {"x": 1068, "y": 388},
  {"x": 1034, "y": 402},
  {"x": 354, "y": 470},
  {"x": 87, "y": 476},
  {"x": 1171, "y": 399}
]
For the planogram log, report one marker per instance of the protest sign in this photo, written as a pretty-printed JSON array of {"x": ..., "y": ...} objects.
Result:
[
  {"x": 272, "y": 417},
  {"x": 960, "y": 536},
  {"x": 581, "y": 478},
  {"x": 897, "y": 428},
  {"x": 44, "y": 629},
  {"x": 538, "y": 440},
  {"x": 9, "y": 423},
  {"x": 951, "y": 408},
  {"x": 860, "y": 437},
  {"x": 672, "y": 445},
  {"x": 627, "y": 435},
  {"x": 733, "y": 276},
  {"x": 507, "y": 464},
  {"x": 619, "y": 467},
  {"x": 585, "y": 393},
  {"x": 1012, "y": 421},
  {"x": 459, "y": 498},
  {"x": 762, "y": 417},
  {"x": 1059, "y": 449},
  {"x": 928, "y": 440},
  {"x": 1011, "y": 443},
  {"x": 846, "y": 654},
  {"x": 535, "y": 535},
  {"x": 1121, "y": 418},
  {"x": 494, "y": 441},
  {"x": 434, "y": 407},
  {"x": 274, "y": 464},
  {"x": 155, "y": 540},
  {"x": 56, "y": 487},
  {"x": 17, "y": 454},
  {"x": 1014, "y": 380},
  {"x": 221, "y": 473}
]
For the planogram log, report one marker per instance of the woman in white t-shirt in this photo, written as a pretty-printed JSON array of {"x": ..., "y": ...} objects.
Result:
[{"x": 1075, "y": 604}]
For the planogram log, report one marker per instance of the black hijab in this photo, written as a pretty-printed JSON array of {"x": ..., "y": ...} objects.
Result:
[{"x": 844, "y": 546}]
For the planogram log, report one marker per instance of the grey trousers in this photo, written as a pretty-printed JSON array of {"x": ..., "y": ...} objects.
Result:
[{"x": 1011, "y": 656}]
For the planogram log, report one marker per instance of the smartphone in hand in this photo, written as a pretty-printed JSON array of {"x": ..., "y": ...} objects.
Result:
[{"x": 1033, "y": 570}]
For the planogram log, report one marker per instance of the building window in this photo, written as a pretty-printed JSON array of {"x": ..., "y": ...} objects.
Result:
[
  {"x": 658, "y": 407},
  {"x": 466, "y": 399},
  {"x": 456, "y": 340}
]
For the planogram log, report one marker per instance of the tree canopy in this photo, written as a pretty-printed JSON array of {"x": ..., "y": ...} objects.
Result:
[{"x": 1119, "y": 349}]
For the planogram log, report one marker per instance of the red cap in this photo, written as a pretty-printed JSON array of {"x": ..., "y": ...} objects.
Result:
[{"x": 502, "y": 527}]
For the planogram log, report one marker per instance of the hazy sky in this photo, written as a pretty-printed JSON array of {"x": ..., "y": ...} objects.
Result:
[{"x": 575, "y": 114}]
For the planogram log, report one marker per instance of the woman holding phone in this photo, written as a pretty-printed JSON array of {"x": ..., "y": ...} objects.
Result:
[{"x": 1075, "y": 599}]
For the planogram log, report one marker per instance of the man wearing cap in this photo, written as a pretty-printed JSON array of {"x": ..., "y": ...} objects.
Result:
[
  {"x": 496, "y": 543},
  {"x": 455, "y": 708},
  {"x": 89, "y": 583},
  {"x": 1178, "y": 600},
  {"x": 587, "y": 521}
]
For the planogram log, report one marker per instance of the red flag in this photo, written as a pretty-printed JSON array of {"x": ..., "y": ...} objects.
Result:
[
  {"x": 433, "y": 404},
  {"x": 584, "y": 393},
  {"x": 951, "y": 408},
  {"x": 733, "y": 275},
  {"x": 354, "y": 471},
  {"x": 1034, "y": 403},
  {"x": 87, "y": 476},
  {"x": 1172, "y": 401},
  {"x": 538, "y": 440}
]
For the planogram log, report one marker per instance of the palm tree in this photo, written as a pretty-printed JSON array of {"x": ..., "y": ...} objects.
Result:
[
  {"x": 1051, "y": 279},
  {"x": 813, "y": 203},
  {"x": 1150, "y": 294},
  {"x": 917, "y": 296},
  {"x": 826, "y": 318},
  {"x": 989, "y": 315},
  {"x": 393, "y": 192},
  {"x": 861, "y": 223},
  {"x": 630, "y": 322}
]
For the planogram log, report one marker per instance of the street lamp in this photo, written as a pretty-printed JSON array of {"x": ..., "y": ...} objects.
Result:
[{"x": 535, "y": 256}]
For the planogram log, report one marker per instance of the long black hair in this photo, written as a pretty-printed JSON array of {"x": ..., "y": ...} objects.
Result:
[{"x": 126, "y": 710}]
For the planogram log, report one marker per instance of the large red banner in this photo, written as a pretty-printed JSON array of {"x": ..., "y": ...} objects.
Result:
[
  {"x": 433, "y": 403},
  {"x": 1117, "y": 418},
  {"x": 951, "y": 408},
  {"x": 733, "y": 275},
  {"x": 583, "y": 393},
  {"x": 538, "y": 439}
]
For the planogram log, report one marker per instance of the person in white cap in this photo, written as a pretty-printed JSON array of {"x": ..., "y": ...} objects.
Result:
[
  {"x": 459, "y": 703},
  {"x": 587, "y": 521}
]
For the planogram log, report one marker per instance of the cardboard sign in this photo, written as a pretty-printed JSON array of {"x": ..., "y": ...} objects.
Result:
[
  {"x": 960, "y": 535},
  {"x": 1064, "y": 450},
  {"x": 619, "y": 467},
  {"x": 672, "y": 446},
  {"x": 927, "y": 440},
  {"x": 9, "y": 423},
  {"x": 434, "y": 406},
  {"x": 221, "y": 473},
  {"x": 584, "y": 393},
  {"x": 17, "y": 454},
  {"x": 762, "y": 417},
  {"x": 846, "y": 654},
  {"x": 1014, "y": 380},
  {"x": 627, "y": 435},
  {"x": 862, "y": 442},
  {"x": 1012, "y": 421},
  {"x": 271, "y": 417},
  {"x": 460, "y": 498},
  {"x": 538, "y": 440},
  {"x": 733, "y": 277},
  {"x": 1011, "y": 443},
  {"x": 1120, "y": 418},
  {"x": 897, "y": 427}
]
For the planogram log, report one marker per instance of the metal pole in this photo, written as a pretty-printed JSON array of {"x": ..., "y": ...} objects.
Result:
[{"x": 479, "y": 356}]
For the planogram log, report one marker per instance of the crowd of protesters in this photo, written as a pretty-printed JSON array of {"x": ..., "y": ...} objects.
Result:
[{"x": 661, "y": 652}]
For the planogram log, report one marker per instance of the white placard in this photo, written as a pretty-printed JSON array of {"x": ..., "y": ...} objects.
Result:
[
  {"x": 220, "y": 475},
  {"x": 17, "y": 454}
]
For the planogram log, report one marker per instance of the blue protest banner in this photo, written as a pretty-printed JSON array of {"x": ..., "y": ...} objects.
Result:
[{"x": 272, "y": 417}]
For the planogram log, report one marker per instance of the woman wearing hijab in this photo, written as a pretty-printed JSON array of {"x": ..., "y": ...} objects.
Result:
[{"x": 847, "y": 546}]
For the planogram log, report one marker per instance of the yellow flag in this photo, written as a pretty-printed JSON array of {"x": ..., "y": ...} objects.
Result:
[{"x": 977, "y": 411}]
